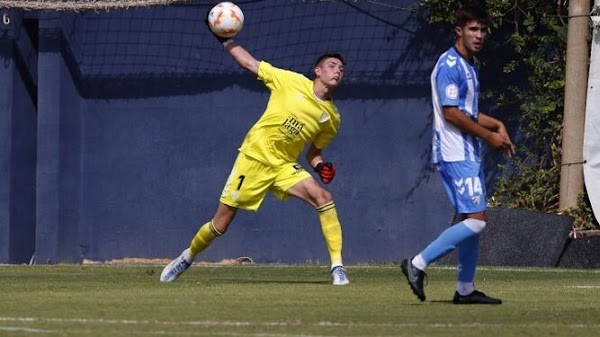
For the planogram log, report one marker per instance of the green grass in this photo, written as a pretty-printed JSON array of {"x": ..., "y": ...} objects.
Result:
[{"x": 290, "y": 301}]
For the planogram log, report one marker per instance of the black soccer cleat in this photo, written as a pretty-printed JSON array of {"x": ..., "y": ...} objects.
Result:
[
  {"x": 476, "y": 297},
  {"x": 415, "y": 277}
]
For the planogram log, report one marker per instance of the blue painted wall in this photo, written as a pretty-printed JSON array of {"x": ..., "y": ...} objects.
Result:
[
  {"x": 59, "y": 154},
  {"x": 154, "y": 168},
  {"x": 6, "y": 76},
  {"x": 17, "y": 148},
  {"x": 140, "y": 114},
  {"x": 23, "y": 174}
]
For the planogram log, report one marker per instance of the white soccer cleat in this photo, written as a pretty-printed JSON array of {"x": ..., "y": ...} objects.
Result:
[
  {"x": 176, "y": 267},
  {"x": 339, "y": 276}
]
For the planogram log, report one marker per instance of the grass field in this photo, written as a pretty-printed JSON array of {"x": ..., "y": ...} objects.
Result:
[{"x": 287, "y": 301}]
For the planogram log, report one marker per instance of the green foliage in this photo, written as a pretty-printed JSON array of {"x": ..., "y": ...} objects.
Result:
[
  {"x": 528, "y": 48},
  {"x": 583, "y": 213},
  {"x": 530, "y": 186}
]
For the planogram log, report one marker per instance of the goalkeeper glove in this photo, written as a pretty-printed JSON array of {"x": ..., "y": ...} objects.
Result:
[{"x": 326, "y": 171}]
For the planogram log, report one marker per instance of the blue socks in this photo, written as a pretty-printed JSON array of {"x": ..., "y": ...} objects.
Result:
[
  {"x": 450, "y": 239},
  {"x": 467, "y": 254},
  {"x": 464, "y": 237}
]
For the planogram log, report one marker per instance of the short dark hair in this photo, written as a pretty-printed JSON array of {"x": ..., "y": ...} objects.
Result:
[
  {"x": 329, "y": 55},
  {"x": 470, "y": 13}
]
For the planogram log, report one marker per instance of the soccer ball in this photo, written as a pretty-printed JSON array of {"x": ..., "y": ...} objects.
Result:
[{"x": 226, "y": 19}]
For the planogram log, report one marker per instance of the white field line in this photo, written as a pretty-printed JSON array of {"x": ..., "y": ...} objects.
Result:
[
  {"x": 527, "y": 269},
  {"x": 237, "y": 334},
  {"x": 208, "y": 323},
  {"x": 583, "y": 287},
  {"x": 22, "y": 329}
]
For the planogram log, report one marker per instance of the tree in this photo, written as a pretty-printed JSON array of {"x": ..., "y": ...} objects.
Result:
[{"x": 527, "y": 46}]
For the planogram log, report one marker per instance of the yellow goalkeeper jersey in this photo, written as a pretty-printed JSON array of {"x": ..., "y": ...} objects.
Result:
[{"x": 294, "y": 117}]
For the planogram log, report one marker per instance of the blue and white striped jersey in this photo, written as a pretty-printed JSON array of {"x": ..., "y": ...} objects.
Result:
[{"x": 454, "y": 82}]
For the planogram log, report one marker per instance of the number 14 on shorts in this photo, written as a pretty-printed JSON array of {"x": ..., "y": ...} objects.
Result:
[{"x": 471, "y": 185}]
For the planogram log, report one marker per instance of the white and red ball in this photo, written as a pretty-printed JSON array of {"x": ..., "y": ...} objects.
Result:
[{"x": 226, "y": 19}]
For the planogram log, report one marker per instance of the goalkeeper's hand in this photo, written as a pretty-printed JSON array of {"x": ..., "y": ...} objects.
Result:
[
  {"x": 219, "y": 38},
  {"x": 326, "y": 171}
]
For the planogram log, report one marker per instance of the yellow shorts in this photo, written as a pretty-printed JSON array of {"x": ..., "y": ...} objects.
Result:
[{"x": 250, "y": 180}]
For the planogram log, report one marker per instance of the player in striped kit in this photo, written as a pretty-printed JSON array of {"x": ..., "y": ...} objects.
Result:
[{"x": 459, "y": 130}]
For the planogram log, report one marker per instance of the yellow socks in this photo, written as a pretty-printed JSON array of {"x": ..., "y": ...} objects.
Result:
[
  {"x": 330, "y": 225},
  {"x": 203, "y": 238},
  {"x": 332, "y": 230}
]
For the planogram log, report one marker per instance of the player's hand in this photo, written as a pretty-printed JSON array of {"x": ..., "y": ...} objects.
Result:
[
  {"x": 219, "y": 38},
  {"x": 509, "y": 148},
  {"x": 326, "y": 171},
  {"x": 501, "y": 142}
]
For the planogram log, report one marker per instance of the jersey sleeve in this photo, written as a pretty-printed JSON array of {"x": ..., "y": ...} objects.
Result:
[
  {"x": 273, "y": 77},
  {"x": 328, "y": 133},
  {"x": 448, "y": 83},
  {"x": 265, "y": 74}
]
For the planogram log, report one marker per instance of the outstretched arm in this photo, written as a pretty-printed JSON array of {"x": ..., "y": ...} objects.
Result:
[
  {"x": 242, "y": 56},
  {"x": 239, "y": 54}
]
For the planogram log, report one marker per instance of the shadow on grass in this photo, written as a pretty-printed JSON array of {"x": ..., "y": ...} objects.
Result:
[{"x": 259, "y": 281}]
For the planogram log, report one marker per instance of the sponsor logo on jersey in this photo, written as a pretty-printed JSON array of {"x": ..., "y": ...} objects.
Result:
[{"x": 291, "y": 126}]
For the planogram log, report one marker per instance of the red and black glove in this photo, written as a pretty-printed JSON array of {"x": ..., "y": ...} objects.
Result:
[{"x": 326, "y": 171}]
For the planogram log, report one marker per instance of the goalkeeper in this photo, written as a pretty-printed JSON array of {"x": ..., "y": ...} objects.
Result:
[{"x": 300, "y": 111}]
